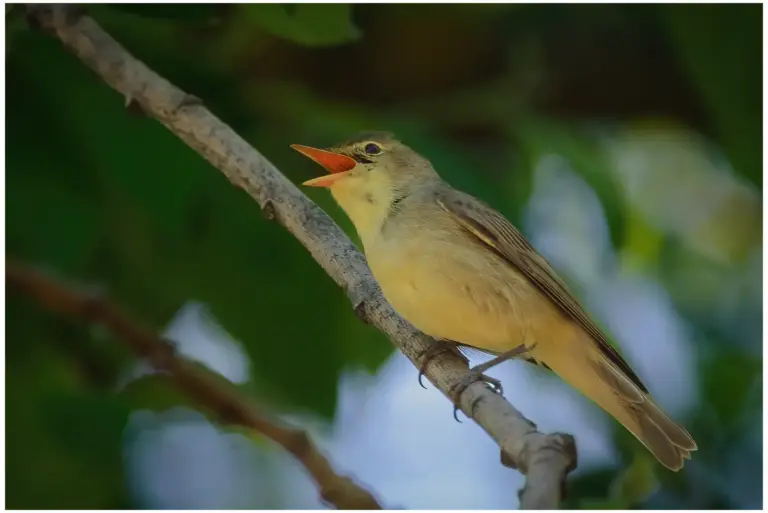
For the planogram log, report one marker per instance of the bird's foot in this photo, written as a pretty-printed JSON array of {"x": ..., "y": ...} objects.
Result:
[
  {"x": 476, "y": 374},
  {"x": 472, "y": 376},
  {"x": 433, "y": 352}
]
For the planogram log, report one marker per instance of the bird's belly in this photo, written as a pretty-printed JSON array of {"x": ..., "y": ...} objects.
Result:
[{"x": 481, "y": 302}]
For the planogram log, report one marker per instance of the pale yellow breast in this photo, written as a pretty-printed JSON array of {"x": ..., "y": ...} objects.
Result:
[{"x": 459, "y": 292}]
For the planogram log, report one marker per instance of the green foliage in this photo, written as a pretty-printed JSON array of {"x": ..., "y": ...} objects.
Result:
[
  {"x": 157, "y": 392},
  {"x": 635, "y": 484},
  {"x": 708, "y": 40},
  {"x": 307, "y": 24},
  {"x": 626, "y": 489},
  {"x": 183, "y": 13},
  {"x": 61, "y": 430},
  {"x": 541, "y": 137},
  {"x": 742, "y": 373},
  {"x": 109, "y": 221}
]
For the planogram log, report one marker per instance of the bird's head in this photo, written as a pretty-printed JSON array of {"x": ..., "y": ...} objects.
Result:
[
  {"x": 369, "y": 173},
  {"x": 364, "y": 157}
]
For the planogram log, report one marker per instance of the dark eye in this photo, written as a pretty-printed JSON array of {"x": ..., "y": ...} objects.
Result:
[{"x": 372, "y": 149}]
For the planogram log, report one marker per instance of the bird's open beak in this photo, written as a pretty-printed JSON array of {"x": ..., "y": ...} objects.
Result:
[{"x": 338, "y": 165}]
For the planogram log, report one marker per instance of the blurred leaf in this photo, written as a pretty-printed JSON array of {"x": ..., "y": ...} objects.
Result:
[
  {"x": 643, "y": 243},
  {"x": 720, "y": 47},
  {"x": 539, "y": 137},
  {"x": 628, "y": 488},
  {"x": 487, "y": 11},
  {"x": 15, "y": 25},
  {"x": 65, "y": 450},
  {"x": 635, "y": 484},
  {"x": 157, "y": 392},
  {"x": 307, "y": 24},
  {"x": 729, "y": 377},
  {"x": 103, "y": 416},
  {"x": 178, "y": 12},
  {"x": 128, "y": 151},
  {"x": 71, "y": 224},
  {"x": 600, "y": 504},
  {"x": 156, "y": 41},
  {"x": 586, "y": 485},
  {"x": 53, "y": 207}
]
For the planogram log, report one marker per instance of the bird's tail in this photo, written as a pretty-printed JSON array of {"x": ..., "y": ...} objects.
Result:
[{"x": 583, "y": 366}]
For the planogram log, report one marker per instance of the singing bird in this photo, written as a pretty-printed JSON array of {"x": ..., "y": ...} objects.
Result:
[{"x": 460, "y": 272}]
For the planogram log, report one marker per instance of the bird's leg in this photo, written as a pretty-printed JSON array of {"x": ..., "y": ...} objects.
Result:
[
  {"x": 503, "y": 357},
  {"x": 476, "y": 374},
  {"x": 444, "y": 346}
]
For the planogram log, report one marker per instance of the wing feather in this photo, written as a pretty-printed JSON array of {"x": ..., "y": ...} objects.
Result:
[{"x": 493, "y": 230}]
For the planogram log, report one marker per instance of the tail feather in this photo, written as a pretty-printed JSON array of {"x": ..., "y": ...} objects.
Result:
[
  {"x": 668, "y": 441},
  {"x": 654, "y": 437},
  {"x": 597, "y": 378},
  {"x": 676, "y": 433}
]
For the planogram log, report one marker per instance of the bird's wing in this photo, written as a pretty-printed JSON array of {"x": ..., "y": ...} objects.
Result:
[{"x": 498, "y": 234}]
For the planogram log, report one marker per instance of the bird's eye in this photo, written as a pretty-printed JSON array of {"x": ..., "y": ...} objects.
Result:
[{"x": 372, "y": 149}]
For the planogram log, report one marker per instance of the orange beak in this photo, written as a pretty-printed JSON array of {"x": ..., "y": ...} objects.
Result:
[{"x": 337, "y": 165}]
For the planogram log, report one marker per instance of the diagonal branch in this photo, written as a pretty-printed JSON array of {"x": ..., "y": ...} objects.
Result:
[
  {"x": 210, "y": 390},
  {"x": 545, "y": 459}
]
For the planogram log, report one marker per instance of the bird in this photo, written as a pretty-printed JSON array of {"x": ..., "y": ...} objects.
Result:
[{"x": 459, "y": 271}]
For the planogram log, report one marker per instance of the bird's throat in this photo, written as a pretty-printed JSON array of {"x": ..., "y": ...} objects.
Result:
[{"x": 367, "y": 204}]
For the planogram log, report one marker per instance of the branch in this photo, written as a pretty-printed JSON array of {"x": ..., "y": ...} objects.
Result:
[
  {"x": 207, "y": 388},
  {"x": 544, "y": 459}
]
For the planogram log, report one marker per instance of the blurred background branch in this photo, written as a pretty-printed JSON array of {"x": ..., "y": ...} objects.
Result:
[{"x": 209, "y": 390}]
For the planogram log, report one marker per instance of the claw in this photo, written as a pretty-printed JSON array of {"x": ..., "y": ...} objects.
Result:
[
  {"x": 473, "y": 375},
  {"x": 430, "y": 354},
  {"x": 494, "y": 385}
]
